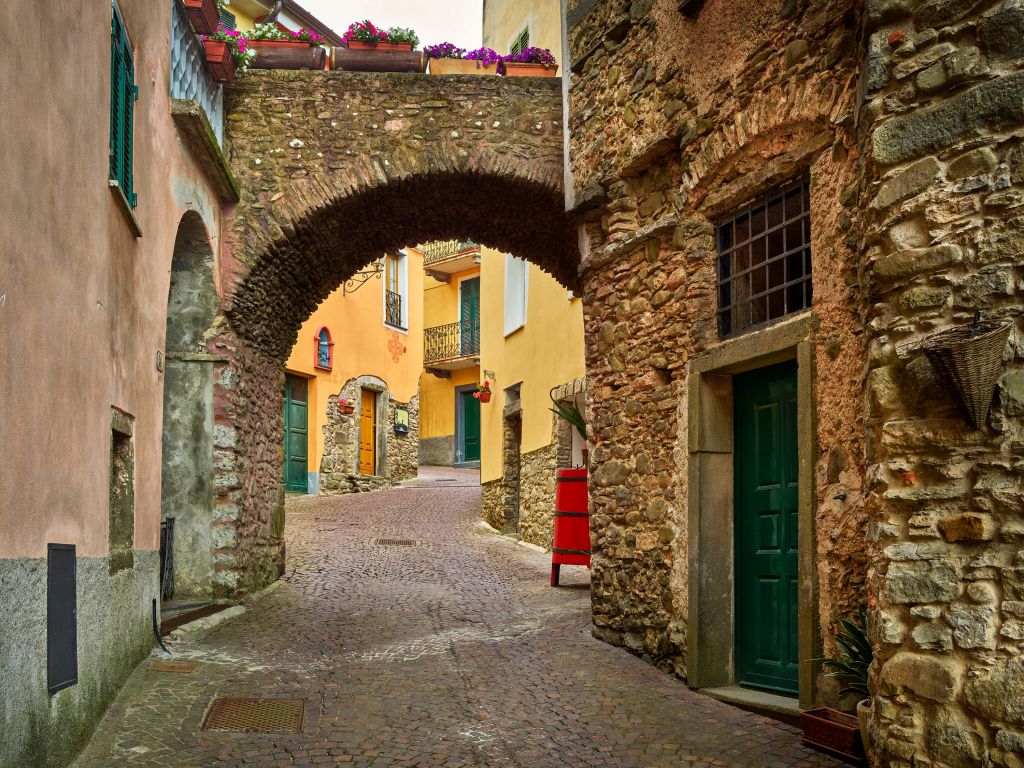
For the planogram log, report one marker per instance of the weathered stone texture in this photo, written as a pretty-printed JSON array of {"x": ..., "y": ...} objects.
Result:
[{"x": 942, "y": 123}]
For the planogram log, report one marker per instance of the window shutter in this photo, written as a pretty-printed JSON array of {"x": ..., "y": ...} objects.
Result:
[
  {"x": 123, "y": 94},
  {"x": 227, "y": 20},
  {"x": 515, "y": 293},
  {"x": 522, "y": 42}
]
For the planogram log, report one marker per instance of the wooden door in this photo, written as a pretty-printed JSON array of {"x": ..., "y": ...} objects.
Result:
[
  {"x": 296, "y": 433},
  {"x": 368, "y": 433},
  {"x": 470, "y": 426},
  {"x": 766, "y": 493}
]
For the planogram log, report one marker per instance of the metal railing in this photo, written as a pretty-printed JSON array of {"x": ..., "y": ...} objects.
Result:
[
  {"x": 189, "y": 78},
  {"x": 454, "y": 340},
  {"x": 445, "y": 249},
  {"x": 393, "y": 309}
]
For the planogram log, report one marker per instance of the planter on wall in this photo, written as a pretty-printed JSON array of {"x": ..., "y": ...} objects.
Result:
[
  {"x": 372, "y": 60},
  {"x": 461, "y": 67},
  {"x": 203, "y": 15},
  {"x": 518, "y": 69},
  {"x": 288, "y": 54},
  {"x": 220, "y": 61},
  {"x": 485, "y": 397},
  {"x": 835, "y": 732},
  {"x": 969, "y": 361},
  {"x": 362, "y": 45}
]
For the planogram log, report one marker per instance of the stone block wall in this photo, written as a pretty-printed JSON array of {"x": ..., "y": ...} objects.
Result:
[
  {"x": 676, "y": 122},
  {"x": 339, "y": 467},
  {"x": 943, "y": 185}
]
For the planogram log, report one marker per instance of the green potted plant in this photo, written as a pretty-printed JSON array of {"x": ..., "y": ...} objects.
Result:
[
  {"x": 530, "y": 62},
  {"x": 226, "y": 52},
  {"x": 832, "y": 729}
]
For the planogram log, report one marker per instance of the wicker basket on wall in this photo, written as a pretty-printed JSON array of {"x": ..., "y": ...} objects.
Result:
[{"x": 969, "y": 361}]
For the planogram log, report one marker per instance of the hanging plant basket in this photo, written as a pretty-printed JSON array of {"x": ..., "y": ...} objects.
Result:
[
  {"x": 485, "y": 397},
  {"x": 969, "y": 360}
]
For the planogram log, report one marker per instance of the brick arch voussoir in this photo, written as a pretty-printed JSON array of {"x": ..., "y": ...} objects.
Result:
[{"x": 321, "y": 229}]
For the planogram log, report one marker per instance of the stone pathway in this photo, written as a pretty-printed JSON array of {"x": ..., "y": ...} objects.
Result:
[{"x": 451, "y": 652}]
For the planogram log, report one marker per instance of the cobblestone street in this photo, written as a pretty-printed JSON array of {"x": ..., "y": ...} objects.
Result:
[{"x": 451, "y": 652}]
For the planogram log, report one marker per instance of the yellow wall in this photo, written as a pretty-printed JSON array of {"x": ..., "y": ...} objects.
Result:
[
  {"x": 437, "y": 396},
  {"x": 246, "y": 11},
  {"x": 505, "y": 19},
  {"x": 363, "y": 346},
  {"x": 546, "y": 352}
]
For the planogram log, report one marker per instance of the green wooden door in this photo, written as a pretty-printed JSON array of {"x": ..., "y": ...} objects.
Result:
[
  {"x": 470, "y": 426},
  {"x": 766, "y": 527},
  {"x": 469, "y": 316},
  {"x": 296, "y": 433}
]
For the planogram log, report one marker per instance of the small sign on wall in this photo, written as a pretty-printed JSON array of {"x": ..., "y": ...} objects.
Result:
[{"x": 401, "y": 421}]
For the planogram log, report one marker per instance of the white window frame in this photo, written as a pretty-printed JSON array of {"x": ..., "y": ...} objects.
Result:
[
  {"x": 513, "y": 324},
  {"x": 403, "y": 291}
]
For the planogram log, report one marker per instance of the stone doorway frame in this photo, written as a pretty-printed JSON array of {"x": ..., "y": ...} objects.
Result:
[{"x": 710, "y": 568}]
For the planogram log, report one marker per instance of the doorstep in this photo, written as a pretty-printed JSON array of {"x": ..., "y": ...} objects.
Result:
[{"x": 785, "y": 708}]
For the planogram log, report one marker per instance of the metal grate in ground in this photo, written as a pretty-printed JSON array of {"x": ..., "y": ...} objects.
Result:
[
  {"x": 185, "y": 667},
  {"x": 255, "y": 715},
  {"x": 394, "y": 542}
]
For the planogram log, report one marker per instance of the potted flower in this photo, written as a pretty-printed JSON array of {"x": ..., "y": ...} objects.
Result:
[
  {"x": 483, "y": 392},
  {"x": 446, "y": 59},
  {"x": 204, "y": 15},
  {"x": 226, "y": 52},
  {"x": 832, "y": 729},
  {"x": 365, "y": 35},
  {"x": 346, "y": 406},
  {"x": 270, "y": 35},
  {"x": 530, "y": 62}
]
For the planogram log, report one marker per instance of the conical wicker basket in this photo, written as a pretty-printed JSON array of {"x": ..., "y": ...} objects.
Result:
[{"x": 969, "y": 360}]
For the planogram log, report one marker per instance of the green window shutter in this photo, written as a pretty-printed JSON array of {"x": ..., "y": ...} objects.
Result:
[
  {"x": 123, "y": 93},
  {"x": 522, "y": 42}
]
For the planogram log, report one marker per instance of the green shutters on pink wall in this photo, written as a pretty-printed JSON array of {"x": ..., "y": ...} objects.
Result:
[
  {"x": 766, "y": 497},
  {"x": 123, "y": 93}
]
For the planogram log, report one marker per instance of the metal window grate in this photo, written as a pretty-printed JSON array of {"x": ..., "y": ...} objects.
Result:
[
  {"x": 764, "y": 261},
  {"x": 393, "y": 307},
  {"x": 255, "y": 715}
]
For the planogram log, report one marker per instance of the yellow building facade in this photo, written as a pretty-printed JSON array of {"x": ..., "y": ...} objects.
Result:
[
  {"x": 352, "y": 380},
  {"x": 511, "y": 25}
]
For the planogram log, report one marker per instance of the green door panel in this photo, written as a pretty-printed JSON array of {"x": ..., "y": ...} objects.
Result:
[
  {"x": 469, "y": 315},
  {"x": 766, "y": 496},
  {"x": 296, "y": 433},
  {"x": 470, "y": 427}
]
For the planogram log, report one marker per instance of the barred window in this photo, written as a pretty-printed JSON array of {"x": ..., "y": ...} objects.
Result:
[
  {"x": 764, "y": 260},
  {"x": 324, "y": 350},
  {"x": 123, "y": 94}
]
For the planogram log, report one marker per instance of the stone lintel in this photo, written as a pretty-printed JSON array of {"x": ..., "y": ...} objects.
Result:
[{"x": 197, "y": 133}]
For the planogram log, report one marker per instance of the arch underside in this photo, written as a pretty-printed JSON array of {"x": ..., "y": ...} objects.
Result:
[{"x": 329, "y": 244}]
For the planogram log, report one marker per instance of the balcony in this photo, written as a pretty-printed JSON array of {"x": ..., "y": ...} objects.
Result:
[
  {"x": 451, "y": 347},
  {"x": 444, "y": 258}
]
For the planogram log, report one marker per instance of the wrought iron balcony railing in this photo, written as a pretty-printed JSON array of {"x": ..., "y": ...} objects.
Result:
[
  {"x": 446, "y": 249},
  {"x": 451, "y": 341},
  {"x": 393, "y": 309}
]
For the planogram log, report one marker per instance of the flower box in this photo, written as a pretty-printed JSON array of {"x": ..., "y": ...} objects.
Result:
[
  {"x": 257, "y": 44},
  {"x": 203, "y": 14},
  {"x": 518, "y": 69},
  {"x": 461, "y": 67},
  {"x": 220, "y": 61},
  {"x": 835, "y": 732},
  {"x": 363, "y": 45}
]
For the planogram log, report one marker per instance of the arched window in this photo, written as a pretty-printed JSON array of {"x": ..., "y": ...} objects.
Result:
[{"x": 324, "y": 349}]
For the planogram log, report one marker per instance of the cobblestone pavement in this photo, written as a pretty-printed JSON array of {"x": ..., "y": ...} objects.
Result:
[{"x": 452, "y": 652}]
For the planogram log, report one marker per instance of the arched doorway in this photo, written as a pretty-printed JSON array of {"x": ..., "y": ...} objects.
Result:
[{"x": 186, "y": 496}]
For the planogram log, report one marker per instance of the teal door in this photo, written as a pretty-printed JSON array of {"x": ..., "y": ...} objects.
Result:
[
  {"x": 469, "y": 316},
  {"x": 470, "y": 419},
  {"x": 296, "y": 433},
  {"x": 765, "y": 455}
]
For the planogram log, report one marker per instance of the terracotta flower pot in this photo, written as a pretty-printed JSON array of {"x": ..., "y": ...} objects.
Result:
[
  {"x": 517, "y": 69},
  {"x": 485, "y": 397},
  {"x": 220, "y": 61},
  {"x": 362, "y": 45},
  {"x": 833, "y": 731},
  {"x": 461, "y": 67},
  {"x": 347, "y": 409},
  {"x": 203, "y": 15}
]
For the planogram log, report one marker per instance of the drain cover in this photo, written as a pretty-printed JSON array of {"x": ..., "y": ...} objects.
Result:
[
  {"x": 172, "y": 666},
  {"x": 255, "y": 715},
  {"x": 395, "y": 542}
]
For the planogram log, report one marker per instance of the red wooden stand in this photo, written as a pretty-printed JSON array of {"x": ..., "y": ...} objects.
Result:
[{"x": 571, "y": 545}]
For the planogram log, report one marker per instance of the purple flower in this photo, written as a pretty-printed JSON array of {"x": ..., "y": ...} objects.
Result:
[
  {"x": 486, "y": 56},
  {"x": 444, "y": 51},
  {"x": 532, "y": 56}
]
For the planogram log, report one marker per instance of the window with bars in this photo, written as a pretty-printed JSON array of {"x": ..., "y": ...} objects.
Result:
[
  {"x": 123, "y": 94},
  {"x": 324, "y": 350},
  {"x": 521, "y": 43},
  {"x": 764, "y": 260}
]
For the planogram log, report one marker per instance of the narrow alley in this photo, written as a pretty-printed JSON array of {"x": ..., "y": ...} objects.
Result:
[{"x": 449, "y": 651}]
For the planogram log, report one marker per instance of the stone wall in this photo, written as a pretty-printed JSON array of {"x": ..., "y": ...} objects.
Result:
[
  {"x": 397, "y": 457},
  {"x": 676, "y": 121},
  {"x": 437, "y": 451},
  {"x": 537, "y": 495},
  {"x": 491, "y": 507},
  {"x": 943, "y": 121}
]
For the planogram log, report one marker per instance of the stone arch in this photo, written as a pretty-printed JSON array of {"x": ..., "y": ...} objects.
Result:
[{"x": 186, "y": 494}]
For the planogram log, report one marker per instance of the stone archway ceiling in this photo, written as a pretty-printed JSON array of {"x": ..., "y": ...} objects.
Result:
[{"x": 338, "y": 168}]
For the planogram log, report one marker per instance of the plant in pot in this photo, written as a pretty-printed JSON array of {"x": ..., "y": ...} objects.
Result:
[
  {"x": 368, "y": 36},
  {"x": 838, "y": 731},
  {"x": 530, "y": 62},
  {"x": 485, "y": 61},
  {"x": 446, "y": 59},
  {"x": 204, "y": 15},
  {"x": 345, "y": 405},
  {"x": 268, "y": 34},
  {"x": 227, "y": 52},
  {"x": 483, "y": 392}
]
